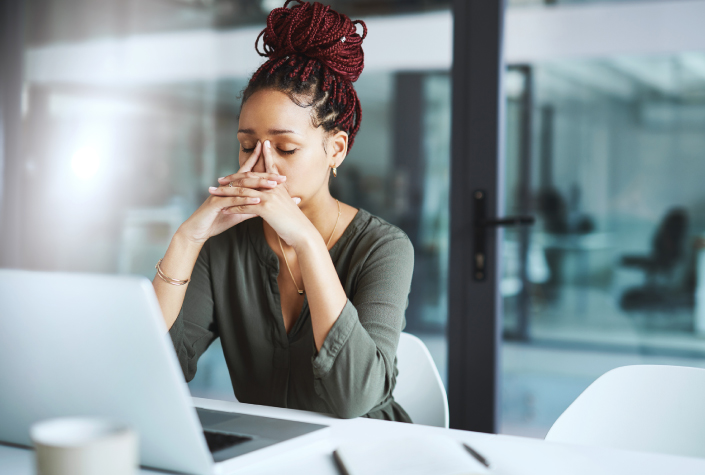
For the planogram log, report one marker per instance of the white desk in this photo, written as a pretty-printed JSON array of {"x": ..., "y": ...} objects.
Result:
[{"x": 508, "y": 455}]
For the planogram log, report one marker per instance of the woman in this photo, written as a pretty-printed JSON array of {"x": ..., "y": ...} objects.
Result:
[{"x": 307, "y": 294}]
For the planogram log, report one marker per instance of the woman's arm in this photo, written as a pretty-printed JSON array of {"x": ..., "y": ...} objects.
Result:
[
  {"x": 354, "y": 368},
  {"x": 208, "y": 220},
  {"x": 194, "y": 327},
  {"x": 325, "y": 293},
  {"x": 178, "y": 263}
]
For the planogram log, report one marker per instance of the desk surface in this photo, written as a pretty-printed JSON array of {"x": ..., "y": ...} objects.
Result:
[{"x": 508, "y": 454}]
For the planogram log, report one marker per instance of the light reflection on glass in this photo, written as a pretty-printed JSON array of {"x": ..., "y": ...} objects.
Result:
[{"x": 85, "y": 163}]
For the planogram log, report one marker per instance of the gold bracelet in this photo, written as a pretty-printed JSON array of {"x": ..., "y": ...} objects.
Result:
[{"x": 166, "y": 279}]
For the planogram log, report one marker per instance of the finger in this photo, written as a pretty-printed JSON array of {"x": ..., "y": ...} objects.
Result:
[
  {"x": 243, "y": 201},
  {"x": 250, "y": 162},
  {"x": 224, "y": 180},
  {"x": 243, "y": 209},
  {"x": 229, "y": 201},
  {"x": 230, "y": 191},
  {"x": 269, "y": 165},
  {"x": 244, "y": 182}
]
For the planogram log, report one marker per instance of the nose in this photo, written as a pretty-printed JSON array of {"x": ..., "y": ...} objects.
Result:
[{"x": 259, "y": 165}]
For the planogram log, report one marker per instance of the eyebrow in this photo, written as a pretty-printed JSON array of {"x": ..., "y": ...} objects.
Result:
[{"x": 271, "y": 131}]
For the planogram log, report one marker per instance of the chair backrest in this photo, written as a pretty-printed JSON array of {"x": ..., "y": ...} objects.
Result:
[
  {"x": 644, "y": 407},
  {"x": 419, "y": 388},
  {"x": 669, "y": 240}
]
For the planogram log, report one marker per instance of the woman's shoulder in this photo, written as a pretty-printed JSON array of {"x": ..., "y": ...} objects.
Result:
[
  {"x": 380, "y": 247},
  {"x": 376, "y": 226},
  {"x": 375, "y": 232}
]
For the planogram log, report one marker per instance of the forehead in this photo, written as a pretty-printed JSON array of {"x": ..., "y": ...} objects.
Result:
[{"x": 268, "y": 109}]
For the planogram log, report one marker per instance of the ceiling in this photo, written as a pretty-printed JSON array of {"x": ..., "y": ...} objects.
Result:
[{"x": 52, "y": 21}]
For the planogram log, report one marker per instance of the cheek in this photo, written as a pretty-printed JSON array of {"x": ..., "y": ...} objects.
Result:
[
  {"x": 304, "y": 175},
  {"x": 307, "y": 170}
]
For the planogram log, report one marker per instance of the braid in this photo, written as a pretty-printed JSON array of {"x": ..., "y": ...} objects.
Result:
[{"x": 314, "y": 53}]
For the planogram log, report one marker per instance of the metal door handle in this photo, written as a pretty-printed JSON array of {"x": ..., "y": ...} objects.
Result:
[{"x": 481, "y": 223}]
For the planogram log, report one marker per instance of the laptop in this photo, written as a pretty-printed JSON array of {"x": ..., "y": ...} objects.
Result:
[{"x": 76, "y": 344}]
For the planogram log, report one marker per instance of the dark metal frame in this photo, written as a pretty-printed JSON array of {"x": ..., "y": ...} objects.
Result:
[
  {"x": 11, "y": 186},
  {"x": 474, "y": 323}
]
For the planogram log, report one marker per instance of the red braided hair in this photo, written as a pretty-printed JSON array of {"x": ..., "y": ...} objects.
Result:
[{"x": 313, "y": 52}]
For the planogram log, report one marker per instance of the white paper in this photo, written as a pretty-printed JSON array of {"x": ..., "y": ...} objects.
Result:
[{"x": 417, "y": 455}]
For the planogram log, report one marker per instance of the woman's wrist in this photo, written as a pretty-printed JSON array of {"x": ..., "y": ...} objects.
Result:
[
  {"x": 184, "y": 238},
  {"x": 308, "y": 239},
  {"x": 176, "y": 265},
  {"x": 183, "y": 248},
  {"x": 179, "y": 259}
]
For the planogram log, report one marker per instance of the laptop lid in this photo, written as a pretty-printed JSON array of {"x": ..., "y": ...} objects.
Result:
[{"x": 76, "y": 344}]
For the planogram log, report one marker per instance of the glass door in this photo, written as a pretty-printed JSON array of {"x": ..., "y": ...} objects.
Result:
[{"x": 607, "y": 153}]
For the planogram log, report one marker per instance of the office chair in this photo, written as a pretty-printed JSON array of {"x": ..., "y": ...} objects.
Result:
[
  {"x": 661, "y": 287},
  {"x": 668, "y": 246},
  {"x": 648, "y": 408},
  {"x": 419, "y": 388}
]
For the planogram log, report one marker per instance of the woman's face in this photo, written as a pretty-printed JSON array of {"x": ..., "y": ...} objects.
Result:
[{"x": 297, "y": 146}]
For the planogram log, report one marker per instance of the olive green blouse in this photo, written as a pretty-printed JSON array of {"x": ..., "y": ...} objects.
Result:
[{"x": 234, "y": 295}]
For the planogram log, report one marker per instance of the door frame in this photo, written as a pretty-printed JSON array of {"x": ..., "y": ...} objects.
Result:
[{"x": 477, "y": 159}]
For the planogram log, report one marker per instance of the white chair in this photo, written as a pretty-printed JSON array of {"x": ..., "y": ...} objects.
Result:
[
  {"x": 419, "y": 389},
  {"x": 645, "y": 407}
]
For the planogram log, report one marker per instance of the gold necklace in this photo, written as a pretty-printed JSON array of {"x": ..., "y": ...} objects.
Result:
[{"x": 301, "y": 292}]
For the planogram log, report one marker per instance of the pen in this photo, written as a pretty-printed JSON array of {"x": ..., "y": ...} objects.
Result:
[
  {"x": 476, "y": 455},
  {"x": 339, "y": 463}
]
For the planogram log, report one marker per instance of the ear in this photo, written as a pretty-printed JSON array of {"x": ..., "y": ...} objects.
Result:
[{"x": 338, "y": 148}]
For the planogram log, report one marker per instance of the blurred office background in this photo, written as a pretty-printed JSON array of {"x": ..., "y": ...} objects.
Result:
[{"x": 129, "y": 112}]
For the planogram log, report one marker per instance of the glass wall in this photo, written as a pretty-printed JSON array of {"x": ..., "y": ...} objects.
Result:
[
  {"x": 612, "y": 272},
  {"x": 130, "y": 113},
  {"x": 534, "y": 3}
]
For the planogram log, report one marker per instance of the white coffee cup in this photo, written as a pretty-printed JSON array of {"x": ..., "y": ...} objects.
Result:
[{"x": 84, "y": 446}]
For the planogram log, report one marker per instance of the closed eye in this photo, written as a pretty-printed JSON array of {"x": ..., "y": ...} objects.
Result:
[{"x": 287, "y": 152}]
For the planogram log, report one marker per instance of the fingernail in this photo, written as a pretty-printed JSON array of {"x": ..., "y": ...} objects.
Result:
[
  {"x": 212, "y": 188},
  {"x": 267, "y": 144},
  {"x": 297, "y": 200},
  {"x": 282, "y": 177},
  {"x": 221, "y": 178},
  {"x": 271, "y": 182}
]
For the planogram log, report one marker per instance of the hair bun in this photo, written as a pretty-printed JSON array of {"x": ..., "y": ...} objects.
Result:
[{"x": 315, "y": 31}]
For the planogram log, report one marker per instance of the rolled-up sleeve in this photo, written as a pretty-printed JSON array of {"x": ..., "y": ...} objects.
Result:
[
  {"x": 195, "y": 327},
  {"x": 354, "y": 369}
]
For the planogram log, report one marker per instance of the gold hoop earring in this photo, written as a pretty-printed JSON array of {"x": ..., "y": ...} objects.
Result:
[{"x": 335, "y": 171}]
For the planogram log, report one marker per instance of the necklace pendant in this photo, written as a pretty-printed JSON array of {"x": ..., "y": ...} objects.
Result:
[{"x": 301, "y": 292}]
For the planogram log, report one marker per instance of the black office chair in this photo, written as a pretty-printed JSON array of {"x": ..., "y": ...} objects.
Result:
[{"x": 662, "y": 288}]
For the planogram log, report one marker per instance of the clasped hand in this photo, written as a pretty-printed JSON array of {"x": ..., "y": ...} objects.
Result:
[{"x": 251, "y": 194}]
